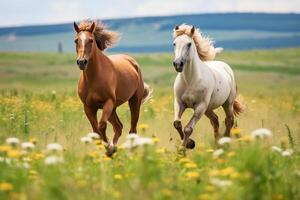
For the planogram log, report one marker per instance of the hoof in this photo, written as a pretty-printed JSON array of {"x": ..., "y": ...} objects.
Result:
[
  {"x": 190, "y": 144},
  {"x": 110, "y": 150}
]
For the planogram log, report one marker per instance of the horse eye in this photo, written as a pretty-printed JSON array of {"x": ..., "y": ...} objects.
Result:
[
  {"x": 189, "y": 44},
  {"x": 174, "y": 44},
  {"x": 76, "y": 40},
  {"x": 90, "y": 40}
]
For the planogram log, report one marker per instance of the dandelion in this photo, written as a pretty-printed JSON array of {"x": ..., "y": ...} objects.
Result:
[
  {"x": 190, "y": 165},
  {"x": 155, "y": 140},
  {"x": 13, "y": 141},
  {"x": 192, "y": 175},
  {"x": 245, "y": 138},
  {"x": 5, "y": 148},
  {"x": 27, "y": 145},
  {"x": 224, "y": 140},
  {"x": 261, "y": 133},
  {"x": 54, "y": 147},
  {"x": 236, "y": 132},
  {"x": 6, "y": 187},
  {"x": 86, "y": 140},
  {"x": 93, "y": 135},
  {"x": 231, "y": 154},
  {"x": 218, "y": 153},
  {"x": 14, "y": 154},
  {"x": 52, "y": 160},
  {"x": 161, "y": 150},
  {"x": 118, "y": 176},
  {"x": 143, "y": 127},
  {"x": 209, "y": 150},
  {"x": 220, "y": 183},
  {"x": 184, "y": 160}
]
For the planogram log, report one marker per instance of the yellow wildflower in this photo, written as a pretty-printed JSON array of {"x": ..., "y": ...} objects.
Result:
[
  {"x": 231, "y": 154},
  {"x": 192, "y": 175},
  {"x": 13, "y": 154},
  {"x": 236, "y": 132},
  {"x": 190, "y": 165},
  {"x": 118, "y": 176},
  {"x": 33, "y": 140},
  {"x": 155, "y": 140},
  {"x": 184, "y": 160},
  {"x": 161, "y": 150},
  {"x": 143, "y": 127},
  {"x": 5, "y": 148},
  {"x": 209, "y": 150},
  {"x": 6, "y": 186}
]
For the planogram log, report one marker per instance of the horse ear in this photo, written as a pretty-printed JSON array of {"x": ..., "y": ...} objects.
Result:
[
  {"x": 76, "y": 28},
  {"x": 193, "y": 30},
  {"x": 92, "y": 28},
  {"x": 176, "y": 27}
]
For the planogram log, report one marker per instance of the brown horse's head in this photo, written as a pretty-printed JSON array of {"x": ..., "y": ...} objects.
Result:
[
  {"x": 85, "y": 44},
  {"x": 89, "y": 36}
]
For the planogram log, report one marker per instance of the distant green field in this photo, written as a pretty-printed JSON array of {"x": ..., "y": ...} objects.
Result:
[{"x": 38, "y": 101}]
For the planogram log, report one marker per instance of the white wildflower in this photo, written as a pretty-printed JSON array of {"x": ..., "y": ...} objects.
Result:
[
  {"x": 276, "y": 149},
  {"x": 287, "y": 152},
  {"x": 261, "y": 133},
  {"x": 134, "y": 140},
  {"x": 27, "y": 145},
  {"x": 93, "y": 135},
  {"x": 224, "y": 140},
  {"x": 86, "y": 140},
  {"x": 218, "y": 152},
  {"x": 12, "y": 141},
  {"x": 52, "y": 160},
  {"x": 54, "y": 147},
  {"x": 220, "y": 183}
]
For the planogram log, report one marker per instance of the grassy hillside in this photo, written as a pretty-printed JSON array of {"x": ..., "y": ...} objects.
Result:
[{"x": 38, "y": 103}]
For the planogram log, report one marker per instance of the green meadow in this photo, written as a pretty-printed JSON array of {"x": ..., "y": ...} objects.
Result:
[{"x": 39, "y": 105}]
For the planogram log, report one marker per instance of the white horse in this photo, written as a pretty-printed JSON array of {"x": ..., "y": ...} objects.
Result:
[{"x": 201, "y": 84}]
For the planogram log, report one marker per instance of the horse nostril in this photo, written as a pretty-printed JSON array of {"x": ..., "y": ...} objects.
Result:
[
  {"x": 77, "y": 61},
  {"x": 85, "y": 61},
  {"x": 174, "y": 63},
  {"x": 181, "y": 64}
]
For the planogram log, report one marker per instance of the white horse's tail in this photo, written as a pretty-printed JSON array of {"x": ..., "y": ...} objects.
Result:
[
  {"x": 219, "y": 49},
  {"x": 238, "y": 106},
  {"x": 147, "y": 93}
]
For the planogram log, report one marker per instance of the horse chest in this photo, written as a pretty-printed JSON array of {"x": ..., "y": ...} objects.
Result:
[{"x": 192, "y": 96}]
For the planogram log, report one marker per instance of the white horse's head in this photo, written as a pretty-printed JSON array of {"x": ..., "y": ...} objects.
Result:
[{"x": 183, "y": 48}]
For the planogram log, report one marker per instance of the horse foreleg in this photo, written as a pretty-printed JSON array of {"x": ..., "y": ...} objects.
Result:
[
  {"x": 179, "y": 109},
  {"x": 117, "y": 125},
  {"x": 214, "y": 122},
  {"x": 106, "y": 113},
  {"x": 91, "y": 114},
  {"x": 198, "y": 112}
]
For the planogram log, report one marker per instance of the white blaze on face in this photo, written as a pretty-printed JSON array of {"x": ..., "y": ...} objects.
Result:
[{"x": 83, "y": 37}]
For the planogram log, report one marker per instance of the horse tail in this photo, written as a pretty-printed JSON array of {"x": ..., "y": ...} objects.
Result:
[
  {"x": 147, "y": 93},
  {"x": 238, "y": 106}
]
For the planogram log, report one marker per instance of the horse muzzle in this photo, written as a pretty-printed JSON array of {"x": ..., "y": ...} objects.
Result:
[
  {"x": 178, "y": 66},
  {"x": 82, "y": 63}
]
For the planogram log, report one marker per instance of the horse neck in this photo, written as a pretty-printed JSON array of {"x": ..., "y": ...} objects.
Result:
[{"x": 194, "y": 68}]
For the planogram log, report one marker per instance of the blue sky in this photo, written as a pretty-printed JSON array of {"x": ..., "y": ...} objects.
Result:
[{"x": 24, "y": 12}]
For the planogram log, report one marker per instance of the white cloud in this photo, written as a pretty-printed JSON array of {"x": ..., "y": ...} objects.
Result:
[{"x": 17, "y": 12}]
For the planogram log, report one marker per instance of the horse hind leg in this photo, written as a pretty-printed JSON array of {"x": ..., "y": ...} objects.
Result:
[
  {"x": 134, "y": 105},
  {"x": 214, "y": 120},
  {"x": 229, "y": 120}
]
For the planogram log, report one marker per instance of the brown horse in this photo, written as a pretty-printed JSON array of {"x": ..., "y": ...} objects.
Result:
[{"x": 106, "y": 82}]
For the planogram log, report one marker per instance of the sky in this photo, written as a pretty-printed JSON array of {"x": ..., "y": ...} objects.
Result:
[{"x": 27, "y": 12}]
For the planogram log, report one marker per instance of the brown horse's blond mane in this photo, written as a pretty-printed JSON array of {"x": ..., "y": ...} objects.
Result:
[
  {"x": 204, "y": 45},
  {"x": 104, "y": 37}
]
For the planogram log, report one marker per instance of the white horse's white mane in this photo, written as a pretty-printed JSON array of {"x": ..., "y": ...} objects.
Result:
[{"x": 204, "y": 45}]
